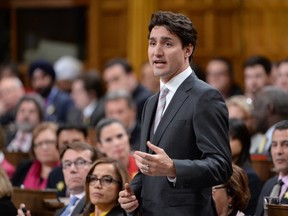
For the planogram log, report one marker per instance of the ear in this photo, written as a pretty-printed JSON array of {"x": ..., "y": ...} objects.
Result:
[{"x": 188, "y": 50}]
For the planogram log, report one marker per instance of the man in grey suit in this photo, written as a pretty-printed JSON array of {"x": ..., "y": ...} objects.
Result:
[{"x": 187, "y": 152}]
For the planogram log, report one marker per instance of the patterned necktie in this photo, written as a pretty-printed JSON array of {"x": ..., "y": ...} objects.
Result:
[
  {"x": 72, "y": 202},
  {"x": 161, "y": 105},
  {"x": 276, "y": 189}
]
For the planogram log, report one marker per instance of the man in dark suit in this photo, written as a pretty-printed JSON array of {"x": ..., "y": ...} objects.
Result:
[
  {"x": 118, "y": 74},
  {"x": 190, "y": 151},
  {"x": 279, "y": 154},
  {"x": 120, "y": 105},
  {"x": 76, "y": 159},
  {"x": 87, "y": 93},
  {"x": 56, "y": 102},
  {"x": 65, "y": 134}
]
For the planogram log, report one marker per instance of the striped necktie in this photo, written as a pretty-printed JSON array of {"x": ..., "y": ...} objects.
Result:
[{"x": 161, "y": 105}]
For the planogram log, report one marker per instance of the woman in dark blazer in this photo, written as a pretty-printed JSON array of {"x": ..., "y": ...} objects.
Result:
[{"x": 104, "y": 181}]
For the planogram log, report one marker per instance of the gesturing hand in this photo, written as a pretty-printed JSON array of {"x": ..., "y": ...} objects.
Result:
[
  {"x": 158, "y": 164},
  {"x": 127, "y": 199}
]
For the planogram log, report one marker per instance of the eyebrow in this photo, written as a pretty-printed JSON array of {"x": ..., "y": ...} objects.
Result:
[{"x": 161, "y": 38}]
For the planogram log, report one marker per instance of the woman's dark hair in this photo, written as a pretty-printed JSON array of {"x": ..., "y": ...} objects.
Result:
[
  {"x": 238, "y": 130},
  {"x": 104, "y": 123}
]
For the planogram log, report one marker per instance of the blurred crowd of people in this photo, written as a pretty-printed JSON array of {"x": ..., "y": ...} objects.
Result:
[{"x": 50, "y": 120}]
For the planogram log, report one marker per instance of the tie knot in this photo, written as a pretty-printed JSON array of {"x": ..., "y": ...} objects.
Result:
[
  {"x": 73, "y": 200},
  {"x": 164, "y": 91},
  {"x": 280, "y": 182}
]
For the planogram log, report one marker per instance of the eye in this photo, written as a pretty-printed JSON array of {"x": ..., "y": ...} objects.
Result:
[
  {"x": 168, "y": 44},
  {"x": 119, "y": 136},
  {"x": 107, "y": 179},
  {"x": 152, "y": 43}
]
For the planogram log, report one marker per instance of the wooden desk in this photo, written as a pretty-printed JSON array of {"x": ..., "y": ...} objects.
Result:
[
  {"x": 39, "y": 202},
  {"x": 263, "y": 166},
  {"x": 277, "y": 210}
]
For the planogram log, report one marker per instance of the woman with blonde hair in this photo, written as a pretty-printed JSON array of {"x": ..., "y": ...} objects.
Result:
[
  {"x": 106, "y": 178},
  {"x": 6, "y": 206}
]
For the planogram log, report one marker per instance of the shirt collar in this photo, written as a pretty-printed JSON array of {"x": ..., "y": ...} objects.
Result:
[
  {"x": 176, "y": 81},
  {"x": 87, "y": 112}
]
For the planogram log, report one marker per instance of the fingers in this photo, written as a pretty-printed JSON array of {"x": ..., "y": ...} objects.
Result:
[
  {"x": 128, "y": 189},
  {"x": 127, "y": 199}
]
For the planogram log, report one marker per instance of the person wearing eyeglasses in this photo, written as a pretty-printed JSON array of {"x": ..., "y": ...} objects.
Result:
[
  {"x": 76, "y": 158},
  {"x": 232, "y": 197},
  {"x": 33, "y": 173},
  {"x": 104, "y": 181}
]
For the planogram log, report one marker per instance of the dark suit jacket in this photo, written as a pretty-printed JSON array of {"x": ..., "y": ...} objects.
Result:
[
  {"x": 21, "y": 172},
  {"x": 140, "y": 95},
  {"x": 266, "y": 190},
  {"x": 77, "y": 210},
  {"x": 57, "y": 108},
  {"x": 56, "y": 181},
  {"x": 7, "y": 207},
  {"x": 75, "y": 115},
  {"x": 194, "y": 133}
]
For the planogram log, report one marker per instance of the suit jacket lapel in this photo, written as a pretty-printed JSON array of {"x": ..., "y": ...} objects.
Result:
[
  {"x": 79, "y": 207},
  {"x": 178, "y": 99},
  {"x": 147, "y": 122}
]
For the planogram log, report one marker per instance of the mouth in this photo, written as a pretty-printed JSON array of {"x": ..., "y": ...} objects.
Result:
[
  {"x": 97, "y": 195},
  {"x": 159, "y": 62}
]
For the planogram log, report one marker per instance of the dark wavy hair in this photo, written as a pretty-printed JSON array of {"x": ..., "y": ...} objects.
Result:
[{"x": 177, "y": 24}]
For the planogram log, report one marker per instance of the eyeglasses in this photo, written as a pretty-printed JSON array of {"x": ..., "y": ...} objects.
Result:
[
  {"x": 218, "y": 187},
  {"x": 45, "y": 142},
  {"x": 104, "y": 180},
  {"x": 79, "y": 163}
]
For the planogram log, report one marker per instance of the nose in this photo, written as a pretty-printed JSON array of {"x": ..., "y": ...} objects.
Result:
[{"x": 158, "y": 50}]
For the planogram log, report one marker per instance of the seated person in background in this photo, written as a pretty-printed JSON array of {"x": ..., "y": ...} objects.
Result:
[
  {"x": 148, "y": 79},
  {"x": 11, "y": 90},
  {"x": 282, "y": 75},
  {"x": 240, "y": 146},
  {"x": 76, "y": 158},
  {"x": 239, "y": 108},
  {"x": 67, "y": 68},
  {"x": 87, "y": 94},
  {"x": 6, "y": 206},
  {"x": 65, "y": 134},
  {"x": 106, "y": 177},
  {"x": 120, "y": 105},
  {"x": 4, "y": 163},
  {"x": 118, "y": 74},
  {"x": 113, "y": 141},
  {"x": 257, "y": 70},
  {"x": 269, "y": 107},
  {"x": 57, "y": 103},
  {"x": 231, "y": 198},
  {"x": 279, "y": 154},
  {"x": 33, "y": 174},
  {"x": 220, "y": 75},
  {"x": 29, "y": 114}
]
